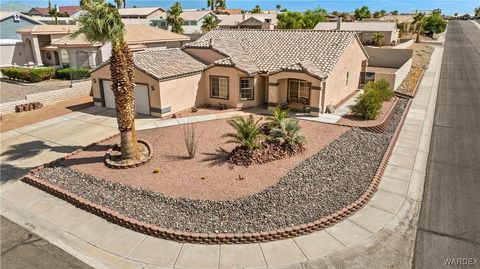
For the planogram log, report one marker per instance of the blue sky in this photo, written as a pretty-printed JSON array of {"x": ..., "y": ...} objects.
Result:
[{"x": 448, "y": 6}]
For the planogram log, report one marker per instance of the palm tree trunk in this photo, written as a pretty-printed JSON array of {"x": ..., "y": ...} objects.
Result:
[{"x": 121, "y": 68}]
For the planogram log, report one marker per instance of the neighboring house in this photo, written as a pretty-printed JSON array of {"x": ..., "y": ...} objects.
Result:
[
  {"x": 142, "y": 13},
  {"x": 11, "y": 45},
  {"x": 51, "y": 44},
  {"x": 192, "y": 21},
  {"x": 248, "y": 21},
  {"x": 43, "y": 11},
  {"x": 231, "y": 11},
  {"x": 365, "y": 30},
  {"x": 403, "y": 18},
  {"x": 305, "y": 70}
]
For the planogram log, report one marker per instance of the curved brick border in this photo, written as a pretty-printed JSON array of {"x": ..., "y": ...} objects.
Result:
[
  {"x": 112, "y": 164},
  {"x": 223, "y": 238}
]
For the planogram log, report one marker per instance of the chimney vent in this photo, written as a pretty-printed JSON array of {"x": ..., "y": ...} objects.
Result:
[{"x": 339, "y": 23}]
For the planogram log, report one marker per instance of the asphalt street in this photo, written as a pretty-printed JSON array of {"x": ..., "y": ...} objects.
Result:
[
  {"x": 24, "y": 250},
  {"x": 449, "y": 226}
]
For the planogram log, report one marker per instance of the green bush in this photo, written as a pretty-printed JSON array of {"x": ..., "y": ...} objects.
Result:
[
  {"x": 28, "y": 74},
  {"x": 288, "y": 132},
  {"x": 77, "y": 73},
  {"x": 382, "y": 89},
  {"x": 367, "y": 105},
  {"x": 247, "y": 132}
]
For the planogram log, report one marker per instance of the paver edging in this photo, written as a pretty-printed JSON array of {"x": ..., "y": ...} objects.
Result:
[
  {"x": 112, "y": 164},
  {"x": 220, "y": 238}
]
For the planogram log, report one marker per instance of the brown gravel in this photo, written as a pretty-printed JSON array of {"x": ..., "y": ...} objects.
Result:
[
  {"x": 420, "y": 61},
  {"x": 355, "y": 121},
  {"x": 207, "y": 176}
]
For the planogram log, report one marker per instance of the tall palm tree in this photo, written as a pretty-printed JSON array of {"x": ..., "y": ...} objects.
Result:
[
  {"x": 120, "y": 2},
  {"x": 419, "y": 20},
  {"x": 174, "y": 18},
  {"x": 278, "y": 8},
  {"x": 101, "y": 22},
  {"x": 377, "y": 37},
  {"x": 211, "y": 4},
  {"x": 221, "y": 4},
  {"x": 209, "y": 23},
  {"x": 53, "y": 11}
]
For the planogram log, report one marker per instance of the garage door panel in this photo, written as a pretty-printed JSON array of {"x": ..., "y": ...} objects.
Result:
[{"x": 142, "y": 102}]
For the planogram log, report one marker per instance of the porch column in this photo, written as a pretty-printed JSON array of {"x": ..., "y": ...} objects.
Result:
[
  {"x": 315, "y": 99},
  {"x": 72, "y": 58},
  {"x": 272, "y": 94},
  {"x": 92, "y": 58},
  {"x": 59, "y": 52},
  {"x": 37, "y": 56}
]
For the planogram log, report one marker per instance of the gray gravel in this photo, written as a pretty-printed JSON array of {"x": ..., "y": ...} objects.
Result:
[{"x": 322, "y": 184}]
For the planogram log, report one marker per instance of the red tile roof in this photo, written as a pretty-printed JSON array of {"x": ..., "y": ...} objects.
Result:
[{"x": 63, "y": 9}]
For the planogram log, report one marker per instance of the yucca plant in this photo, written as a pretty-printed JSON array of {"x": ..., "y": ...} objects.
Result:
[
  {"x": 288, "y": 132},
  {"x": 247, "y": 132}
]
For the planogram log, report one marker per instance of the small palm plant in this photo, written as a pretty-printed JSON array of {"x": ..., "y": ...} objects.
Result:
[
  {"x": 278, "y": 116},
  {"x": 288, "y": 133},
  {"x": 247, "y": 132},
  {"x": 378, "y": 37},
  {"x": 209, "y": 23}
]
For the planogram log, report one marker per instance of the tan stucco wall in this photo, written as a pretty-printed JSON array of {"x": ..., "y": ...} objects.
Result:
[
  {"x": 170, "y": 44},
  {"x": 207, "y": 56},
  {"x": 140, "y": 77},
  {"x": 388, "y": 58},
  {"x": 388, "y": 37},
  {"x": 395, "y": 79},
  {"x": 182, "y": 93},
  {"x": 351, "y": 62},
  {"x": 12, "y": 54},
  {"x": 234, "y": 76}
]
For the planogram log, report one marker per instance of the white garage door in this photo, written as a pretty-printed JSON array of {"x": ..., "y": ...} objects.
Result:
[{"x": 142, "y": 105}]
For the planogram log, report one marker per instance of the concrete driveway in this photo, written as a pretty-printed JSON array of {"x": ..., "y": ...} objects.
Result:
[{"x": 45, "y": 141}]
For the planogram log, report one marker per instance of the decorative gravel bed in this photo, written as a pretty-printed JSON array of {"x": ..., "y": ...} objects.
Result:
[{"x": 322, "y": 184}]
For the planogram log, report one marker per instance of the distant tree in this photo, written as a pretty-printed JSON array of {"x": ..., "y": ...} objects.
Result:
[
  {"x": 335, "y": 13},
  {"x": 209, "y": 23},
  {"x": 174, "y": 18},
  {"x": 211, "y": 4},
  {"x": 216, "y": 4},
  {"x": 278, "y": 8},
  {"x": 256, "y": 10},
  {"x": 379, "y": 14},
  {"x": 437, "y": 11},
  {"x": 312, "y": 17},
  {"x": 283, "y": 10},
  {"x": 362, "y": 13},
  {"x": 289, "y": 20},
  {"x": 221, "y": 4},
  {"x": 120, "y": 2},
  {"x": 419, "y": 20},
  {"x": 434, "y": 24},
  {"x": 52, "y": 11},
  {"x": 394, "y": 12},
  {"x": 378, "y": 37},
  {"x": 477, "y": 11}
]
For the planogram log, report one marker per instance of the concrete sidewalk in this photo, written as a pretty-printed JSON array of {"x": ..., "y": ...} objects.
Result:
[{"x": 380, "y": 235}]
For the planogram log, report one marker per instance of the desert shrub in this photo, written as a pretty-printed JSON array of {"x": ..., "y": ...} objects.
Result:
[
  {"x": 191, "y": 139},
  {"x": 288, "y": 132},
  {"x": 28, "y": 74},
  {"x": 247, "y": 133},
  {"x": 382, "y": 89},
  {"x": 76, "y": 73},
  {"x": 367, "y": 105}
]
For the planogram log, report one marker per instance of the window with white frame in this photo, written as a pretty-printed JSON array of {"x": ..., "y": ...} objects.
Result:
[
  {"x": 219, "y": 87},
  {"x": 246, "y": 88},
  {"x": 298, "y": 90}
]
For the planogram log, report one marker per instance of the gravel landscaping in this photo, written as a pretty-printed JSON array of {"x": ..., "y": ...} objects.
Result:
[{"x": 329, "y": 180}]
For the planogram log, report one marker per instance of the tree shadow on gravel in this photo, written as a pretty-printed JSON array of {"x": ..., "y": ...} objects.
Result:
[{"x": 218, "y": 158}]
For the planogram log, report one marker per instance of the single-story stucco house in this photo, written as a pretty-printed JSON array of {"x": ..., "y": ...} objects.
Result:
[
  {"x": 248, "y": 21},
  {"x": 43, "y": 11},
  {"x": 192, "y": 21},
  {"x": 142, "y": 13},
  {"x": 11, "y": 45},
  {"x": 52, "y": 45},
  {"x": 365, "y": 30},
  {"x": 303, "y": 69}
]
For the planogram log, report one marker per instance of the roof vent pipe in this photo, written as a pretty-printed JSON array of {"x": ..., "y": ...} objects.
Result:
[
  {"x": 243, "y": 16},
  {"x": 339, "y": 23}
]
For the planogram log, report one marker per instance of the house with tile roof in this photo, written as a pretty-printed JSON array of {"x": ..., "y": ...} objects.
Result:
[
  {"x": 52, "y": 45},
  {"x": 248, "y": 21},
  {"x": 142, "y": 13},
  {"x": 11, "y": 44},
  {"x": 365, "y": 30},
  {"x": 43, "y": 11},
  {"x": 192, "y": 21},
  {"x": 305, "y": 70}
]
